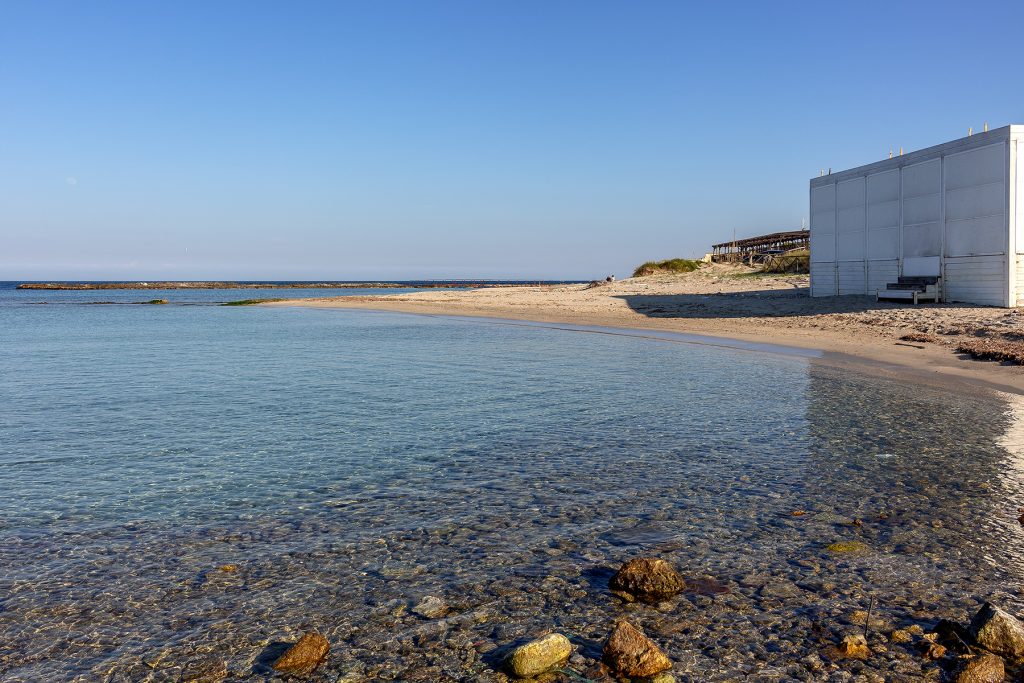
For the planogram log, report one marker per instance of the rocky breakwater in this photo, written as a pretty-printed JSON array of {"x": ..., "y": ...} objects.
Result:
[{"x": 168, "y": 284}]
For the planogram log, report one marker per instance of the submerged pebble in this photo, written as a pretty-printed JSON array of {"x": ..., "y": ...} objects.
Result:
[
  {"x": 304, "y": 656},
  {"x": 430, "y": 607}
]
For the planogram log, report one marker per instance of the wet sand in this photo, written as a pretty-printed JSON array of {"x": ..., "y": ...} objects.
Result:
[{"x": 732, "y": 302}]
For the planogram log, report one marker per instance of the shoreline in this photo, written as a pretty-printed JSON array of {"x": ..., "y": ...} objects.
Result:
[
  {"x": 216, "y": 284},
  {"x": 928, "y": 363}
]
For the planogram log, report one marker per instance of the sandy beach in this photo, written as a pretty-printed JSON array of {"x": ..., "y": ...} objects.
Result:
[{"x": 738, "y": 303}]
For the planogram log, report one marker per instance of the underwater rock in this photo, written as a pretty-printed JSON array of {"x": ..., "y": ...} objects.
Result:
[
  {"x": 648, "y": 579},
  {"x": 303, "y": 656},
  {"x": 204, "y": 670},
  {"x": 540, "y": 655},
  {"x": 628, "y": 652},
  {"x": 780, "y": 590},
  {"x": 430, "y": 607},
  {"x": 998, "y": 631}
]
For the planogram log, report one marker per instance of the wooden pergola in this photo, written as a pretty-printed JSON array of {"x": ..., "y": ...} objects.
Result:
[{"x": 755, "y": 249}]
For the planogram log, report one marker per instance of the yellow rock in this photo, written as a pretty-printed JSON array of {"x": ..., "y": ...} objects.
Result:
[
  {"x": 540, "y": 655},
  {"x": 854, "y": 647}
]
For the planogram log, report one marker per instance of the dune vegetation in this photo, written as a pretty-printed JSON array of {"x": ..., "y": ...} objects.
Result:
[{"x": 674, "y": 265}]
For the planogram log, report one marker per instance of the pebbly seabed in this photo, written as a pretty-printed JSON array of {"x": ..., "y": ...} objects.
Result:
[{"x": 189, "y": 490}]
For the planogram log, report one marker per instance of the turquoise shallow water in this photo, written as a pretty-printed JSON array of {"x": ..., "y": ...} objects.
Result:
[{"x": 350, "y": 463}]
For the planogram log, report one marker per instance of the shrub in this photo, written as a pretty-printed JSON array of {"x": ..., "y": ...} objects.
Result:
[{"x": 672, "y": 265}]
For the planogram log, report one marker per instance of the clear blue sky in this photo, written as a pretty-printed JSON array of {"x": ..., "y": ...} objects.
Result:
[{"x": 438, "y": 139}]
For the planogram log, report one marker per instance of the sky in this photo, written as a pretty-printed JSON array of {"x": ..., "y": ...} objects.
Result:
[{"x": 483, "y": 139}]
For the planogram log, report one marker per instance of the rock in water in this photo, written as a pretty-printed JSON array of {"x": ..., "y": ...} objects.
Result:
[
  {"x": 204, "y": 670},
  {"x": 930, "y": 650},
  {"x": 983, "y": 669},
  {"x": 430, "y": 607},
  {"x": 303, "y": 656},
  {"x": 662, "y": 678},
  {"x": 854, "y": 647},
  {"x": 540, "y": 655},
  {"x": 900, "y": 636},
  {"x": 998, "y": 631},
  {"x": 648, "y": 579},
  {"x": 630, "y": 653}
]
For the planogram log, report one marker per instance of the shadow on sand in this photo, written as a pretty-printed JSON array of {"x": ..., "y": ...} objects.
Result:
[{"x": 788, "y": 303}]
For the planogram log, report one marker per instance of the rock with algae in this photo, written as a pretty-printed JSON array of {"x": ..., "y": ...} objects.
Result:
[
  {"x": 648, "y": 579},
  {"x": 847, "y": 547}
]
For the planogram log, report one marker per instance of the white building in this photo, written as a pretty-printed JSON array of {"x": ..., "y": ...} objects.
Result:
[{"x": 955, "y": 211}]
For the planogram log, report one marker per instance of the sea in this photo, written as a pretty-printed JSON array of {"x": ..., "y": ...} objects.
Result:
[{"x": 187, "y": 488}]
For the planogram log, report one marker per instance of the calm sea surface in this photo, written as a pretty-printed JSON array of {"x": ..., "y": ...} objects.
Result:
[{"x": 350, "y": 463}]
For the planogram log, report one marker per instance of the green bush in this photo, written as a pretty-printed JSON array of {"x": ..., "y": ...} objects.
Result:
[{"x": 672, "y": 265}]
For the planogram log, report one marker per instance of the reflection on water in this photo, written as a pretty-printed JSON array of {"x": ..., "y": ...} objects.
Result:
[{"x": 350, "y": 464}]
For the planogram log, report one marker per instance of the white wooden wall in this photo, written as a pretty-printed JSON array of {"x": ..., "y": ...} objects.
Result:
[
  {"x": 1016, "y": 208},
  {"x": 977, "y": 230},
  {"x": 943, "y": 214}
]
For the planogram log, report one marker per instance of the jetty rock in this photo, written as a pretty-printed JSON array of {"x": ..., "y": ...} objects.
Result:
[
  {"x": 539, "y": 655},
  {"x": 628, "y": 652},
  {"x": 303, "y": 656},
  {"x": 998, "y": 631},
  {"x": 648, "y": 579},
  {"x": 983, "y": 669}
]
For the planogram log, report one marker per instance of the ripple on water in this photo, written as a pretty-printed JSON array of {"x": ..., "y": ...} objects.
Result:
[{"x": 174, "y": 499}]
